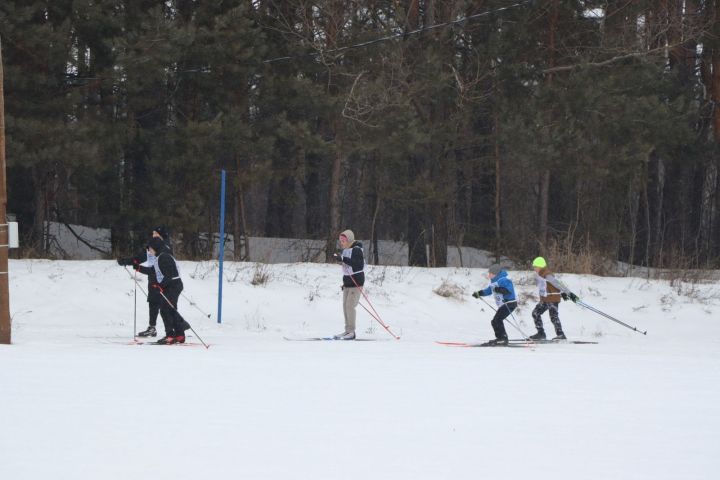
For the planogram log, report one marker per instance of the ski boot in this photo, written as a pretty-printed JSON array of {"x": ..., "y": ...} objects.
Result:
[
  {"x": 540, "y": 335},
  {"x": 167, "y": 341},
  {"x": 560, "y": 336},
  {"x": 150, "y": 332},
  {"x": 498, "y": 342},
  {"x": 345, "y": 336}
]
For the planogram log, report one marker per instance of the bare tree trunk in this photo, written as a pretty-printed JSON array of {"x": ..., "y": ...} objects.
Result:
[
  {"x": 40, "y": 219},
  {"x": 544, "y": 207},
  {"x": 659, "y": 199},
  {"x": 634, "y": 207},
  {"x": 416, "y": 237},
  {"x": 440, "y": 236},
  {"x": 417, "y": 213},
  {"x": 429, "y": 13},
  {"x": 498, "y": 188},
  {"x": 335, "y": 214},
  {"x": 648, "y": 229},
  {"x": 375, "y": 255},
  {"x": 413, "y": 14},
  {"x": 545, "y": 175},
  {"x": 241, "y": 225},
  {"x": 708, "y": 203}
]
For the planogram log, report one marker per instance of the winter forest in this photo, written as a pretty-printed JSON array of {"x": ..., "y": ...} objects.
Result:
[{"x": 580, "y": 130}]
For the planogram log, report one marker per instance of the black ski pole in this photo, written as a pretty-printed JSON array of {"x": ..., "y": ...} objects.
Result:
[
  {"x": 593, "y": 309},
  {"x": 183, "y": 295},
  {"x": 181, "y": 318},
  {"x": 195, "y": 305},
  {"x": 135, "y": 307},
  {"x": 137, "y": 284}
]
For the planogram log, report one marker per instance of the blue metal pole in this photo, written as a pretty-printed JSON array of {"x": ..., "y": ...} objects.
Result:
[{"x": 221, "y": 256}]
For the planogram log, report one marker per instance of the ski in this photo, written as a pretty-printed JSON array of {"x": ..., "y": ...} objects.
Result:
[
  {"x": 325, "y": 339},
  {"x": 550, "y": 341},
  {"x": 138, "y": 342},
  {"x": 485, "y": 344}
]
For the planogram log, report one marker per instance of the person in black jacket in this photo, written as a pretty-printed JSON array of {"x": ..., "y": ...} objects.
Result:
[
  {"x": 153, "y": 298},
  {"x": 169, "y": 286},
  {"x": 353, "y": 265}
]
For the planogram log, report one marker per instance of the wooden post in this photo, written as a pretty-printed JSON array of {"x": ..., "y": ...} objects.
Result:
[{"x": 5, "y": 327}]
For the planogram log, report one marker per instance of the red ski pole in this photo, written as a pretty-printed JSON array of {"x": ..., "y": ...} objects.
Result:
[{"x": 377, "y": 315}]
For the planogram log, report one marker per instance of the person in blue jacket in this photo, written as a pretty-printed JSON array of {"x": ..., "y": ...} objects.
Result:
[{"x": 501, "y": 287}]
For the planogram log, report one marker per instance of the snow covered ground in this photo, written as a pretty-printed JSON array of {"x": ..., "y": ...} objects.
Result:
[{"x": 76, "y": 402}]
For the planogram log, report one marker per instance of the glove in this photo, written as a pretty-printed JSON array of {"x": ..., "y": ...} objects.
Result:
[
  {"x": 564, "y": 296},
  {"x": 123, "y": 262},
  {"x": 476, "y": 295},
  {"x": 337, "y": 257},
  {"x": 573, "y": 297},
  {"x": 158, "y": 287}
]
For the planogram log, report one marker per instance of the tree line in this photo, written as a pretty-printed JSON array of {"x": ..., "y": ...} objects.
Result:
[{"x": 581, "y": 130}]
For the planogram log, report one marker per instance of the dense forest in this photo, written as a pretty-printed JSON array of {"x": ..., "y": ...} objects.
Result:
[{"x": 581, "y": 130}]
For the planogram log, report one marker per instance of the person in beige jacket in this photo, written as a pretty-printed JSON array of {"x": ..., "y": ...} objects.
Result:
[
  {"x": 551, "y": 291},
  {"x": 352, "y": 260}
]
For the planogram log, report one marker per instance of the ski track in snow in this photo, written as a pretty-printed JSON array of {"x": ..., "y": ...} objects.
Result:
[{"x": 76, "y": 403}]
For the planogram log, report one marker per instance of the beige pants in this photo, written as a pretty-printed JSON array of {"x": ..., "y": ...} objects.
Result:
[{"x": 351, "y": 298}]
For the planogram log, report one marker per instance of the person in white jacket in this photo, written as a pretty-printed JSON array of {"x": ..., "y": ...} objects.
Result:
[{"x": 551, "y": 291}]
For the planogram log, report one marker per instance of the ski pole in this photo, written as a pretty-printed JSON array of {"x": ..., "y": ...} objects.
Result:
[
  {"x": 367, "y": 310},
  {"x": 137, "y": 284},
  {"x": 181, "y": 318},
  {"x": 195, "y": 305},
  {"x": 135, "y": 308},
  {"x": 183, "y": 295},
  {"x": 508, "y": 320},
  {"x": 377, "y": 315},
  {"x": 593, "y": 309}
]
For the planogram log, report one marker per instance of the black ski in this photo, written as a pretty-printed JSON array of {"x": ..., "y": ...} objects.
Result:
[
  {"x": 485, "y": 344},
  {"x": 326, "y": 339},
  {"x": 550, "y": 341},
  {"x": 139, "y": 342}
]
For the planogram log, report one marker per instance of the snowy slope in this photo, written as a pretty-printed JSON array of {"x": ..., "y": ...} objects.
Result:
[{"x": 78, "y": 403}]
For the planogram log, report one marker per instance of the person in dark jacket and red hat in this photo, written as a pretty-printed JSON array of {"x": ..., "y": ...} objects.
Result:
[
  {"x": 168, "y": 285},
  {"x": 153, "y": 298}
]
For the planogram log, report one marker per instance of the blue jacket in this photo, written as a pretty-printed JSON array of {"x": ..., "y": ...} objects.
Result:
[{"x": 500, "y": 280}]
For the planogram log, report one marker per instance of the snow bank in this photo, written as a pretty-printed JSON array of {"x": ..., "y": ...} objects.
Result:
[{"x": 77, "y": 402}]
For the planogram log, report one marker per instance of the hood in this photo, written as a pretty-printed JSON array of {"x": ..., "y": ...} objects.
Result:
[{"x": 501, "y": 274}]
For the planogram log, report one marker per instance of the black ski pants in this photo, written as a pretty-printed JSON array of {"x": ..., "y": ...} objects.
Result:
[
  {"x": 154, "y": 309},
  {"x": 154, "y": 300},
  {"x": 174, "y": 324},
  {"x": 541, "y": 308},
  {"x": 498, "y": 321}
]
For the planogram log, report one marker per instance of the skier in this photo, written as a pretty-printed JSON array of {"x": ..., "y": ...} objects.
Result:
[
  {"x": 551, "y": 290},
  {"x": 153, "y": 298},
  {"x": 168, "y": 286},
  {"x": 501, "y": 287},
  {"x": 353, "y": 265}
]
